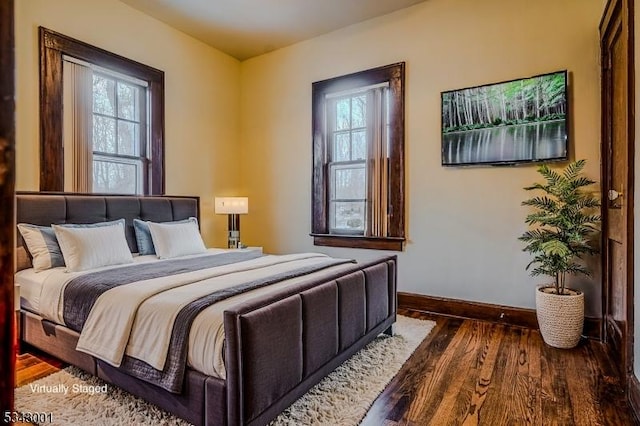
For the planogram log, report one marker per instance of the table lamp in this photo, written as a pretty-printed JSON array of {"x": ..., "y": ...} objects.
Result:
[{"x": 234, "y": 207}]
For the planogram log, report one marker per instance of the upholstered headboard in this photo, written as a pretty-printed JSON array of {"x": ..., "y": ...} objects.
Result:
[{"x": 55, "y": 208}]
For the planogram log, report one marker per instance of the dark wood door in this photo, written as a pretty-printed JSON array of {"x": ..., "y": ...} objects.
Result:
[
  {"x": 7, "y": 224},
  {"x": 617, "y": 180}
]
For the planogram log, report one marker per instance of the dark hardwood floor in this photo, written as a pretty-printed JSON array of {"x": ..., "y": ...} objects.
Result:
[{"x": 478, "y": 373}]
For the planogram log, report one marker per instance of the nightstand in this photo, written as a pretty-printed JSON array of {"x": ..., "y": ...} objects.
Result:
[{"x": 258, "y": 249}]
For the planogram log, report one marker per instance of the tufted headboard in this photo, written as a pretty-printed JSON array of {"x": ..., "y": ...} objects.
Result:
[{"x": 55, "y": 208}]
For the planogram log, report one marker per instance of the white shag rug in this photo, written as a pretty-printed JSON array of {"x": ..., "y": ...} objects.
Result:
[{"x": 342, "y": 398}]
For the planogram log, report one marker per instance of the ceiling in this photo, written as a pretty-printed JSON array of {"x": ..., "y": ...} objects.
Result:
[{"x": 247, "y": 28}]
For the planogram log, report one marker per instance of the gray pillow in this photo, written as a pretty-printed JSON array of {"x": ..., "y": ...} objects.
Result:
[
  {"x": 94, "y": 225},
  {"x": 42, "y": 245}
]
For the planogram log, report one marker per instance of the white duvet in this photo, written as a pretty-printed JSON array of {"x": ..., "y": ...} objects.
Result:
[{"x": 136, "y": 319}]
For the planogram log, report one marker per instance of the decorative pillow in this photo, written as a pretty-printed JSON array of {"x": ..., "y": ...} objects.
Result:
[
  {"x": 42, "y": 245},
  {"x": 143, "y": 235},
  {"x": 89, "y": 247},
  {"x": 94, "y": 225},
  {"x": 174, "y": 240}
]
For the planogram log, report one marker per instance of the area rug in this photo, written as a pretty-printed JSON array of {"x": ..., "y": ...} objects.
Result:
[{"x": 342, "y": 398}]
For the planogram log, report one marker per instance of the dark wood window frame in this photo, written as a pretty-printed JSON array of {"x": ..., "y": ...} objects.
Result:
[
  {"x": 53, "y": 46},
  {"x": 393, "y": 75},
  {"x": 7, "y": 212}
]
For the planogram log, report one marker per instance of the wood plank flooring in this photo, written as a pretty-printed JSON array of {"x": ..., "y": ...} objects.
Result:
[
  {"x": 477, "y": 373},
  {"x": 30, "y": 367}
]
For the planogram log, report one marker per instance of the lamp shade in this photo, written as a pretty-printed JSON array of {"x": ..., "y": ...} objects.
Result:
[{"x": 232, "y": 205}]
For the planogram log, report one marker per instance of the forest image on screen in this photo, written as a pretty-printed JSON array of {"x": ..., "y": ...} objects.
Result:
[{"x": 512, "y": 122}]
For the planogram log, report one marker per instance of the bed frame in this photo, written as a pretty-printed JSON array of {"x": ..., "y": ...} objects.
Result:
[{"x": 276, "y": 348}]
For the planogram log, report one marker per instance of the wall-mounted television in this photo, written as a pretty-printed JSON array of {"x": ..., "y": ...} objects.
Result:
[{"x": 507, "y": 123}]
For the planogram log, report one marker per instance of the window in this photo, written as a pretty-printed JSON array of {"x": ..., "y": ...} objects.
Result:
[
  {"x": 119, "y": 135},
  {"x": 358, "y": 157},
  {"x": 107, "y": 111}
]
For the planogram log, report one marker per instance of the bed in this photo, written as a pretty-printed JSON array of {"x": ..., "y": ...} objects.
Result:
[{"x": 276, "y": 344}]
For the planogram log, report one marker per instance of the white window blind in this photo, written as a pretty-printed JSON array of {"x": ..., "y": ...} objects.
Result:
[{"x": 78, "y": 129}]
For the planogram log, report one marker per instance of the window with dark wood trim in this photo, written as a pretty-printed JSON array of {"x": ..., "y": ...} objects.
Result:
[
  {"x": 53, "y": 47},
  {"x": 358, "y": 159}
]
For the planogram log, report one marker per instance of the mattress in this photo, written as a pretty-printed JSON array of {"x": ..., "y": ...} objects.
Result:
[
  {"x": 31, "y": 282},
  {"x": 42, "y": 294}
]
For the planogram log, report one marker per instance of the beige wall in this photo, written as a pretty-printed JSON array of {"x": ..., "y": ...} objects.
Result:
[
  {"x": 244, "y": 129},
  {"x": 462, "y": 224},
  {"x": 201, "y": 91}
]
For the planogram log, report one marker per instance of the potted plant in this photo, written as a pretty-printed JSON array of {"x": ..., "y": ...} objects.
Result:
[{"x": 561, "y": 225}]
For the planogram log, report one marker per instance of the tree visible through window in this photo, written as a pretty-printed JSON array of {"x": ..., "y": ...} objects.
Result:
[
  {"x": 358, "y": 180},
  {"x": 348, "y": 177},
  {"x": 119, "y": 135}
]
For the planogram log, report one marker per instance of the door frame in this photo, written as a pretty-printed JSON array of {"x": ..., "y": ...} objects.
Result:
[
  {"x": 625, "y": 8},
  {"x": 7, "y": 197}
]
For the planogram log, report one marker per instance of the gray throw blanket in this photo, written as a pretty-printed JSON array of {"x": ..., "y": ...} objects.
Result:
[{"x": 82, "y": 292}]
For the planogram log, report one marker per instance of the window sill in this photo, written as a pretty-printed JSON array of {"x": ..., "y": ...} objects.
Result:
[{"x": 358, "y": 241}]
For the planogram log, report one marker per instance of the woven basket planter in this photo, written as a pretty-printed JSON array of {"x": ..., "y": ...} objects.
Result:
[{"x": 560, "y": 318}]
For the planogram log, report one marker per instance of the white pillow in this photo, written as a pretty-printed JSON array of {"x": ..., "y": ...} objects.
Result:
[
  {"x": 93, "y": 247},
  {"x": 176, "y": 239}
]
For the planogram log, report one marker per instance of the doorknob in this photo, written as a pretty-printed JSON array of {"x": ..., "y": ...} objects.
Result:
[{"x": 614, "y": 195}]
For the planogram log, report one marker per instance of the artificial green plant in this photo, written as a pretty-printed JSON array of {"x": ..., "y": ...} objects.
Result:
[{"x": 564, "y": 219}]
